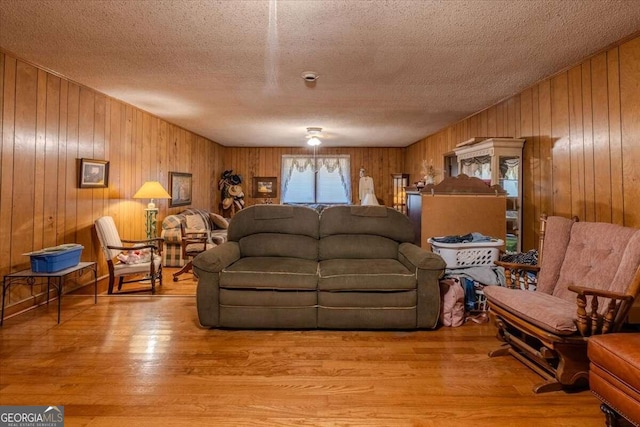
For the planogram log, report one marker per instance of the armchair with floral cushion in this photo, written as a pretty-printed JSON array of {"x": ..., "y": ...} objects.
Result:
[
  {"x": 213, "y": 226},
  {"x": 588, "y": 277}
]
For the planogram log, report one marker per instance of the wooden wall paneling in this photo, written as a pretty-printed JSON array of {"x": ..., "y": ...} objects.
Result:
[
  {"x": 576, "y": 142},
  {"x": 85, "y": 150},
  {"x": 125, "y": 228},
  {"x": 61, "y": 179},
  {"x": 39, "y": 166},
  {"x": 7, "y": 126},
  {"x": 71, "y": 181},
  {"x": 615, "y": 138},
  {"x": 528, "y": 184},
  {"x": 587, "y": 138},
  {"x": 52, "y": 143},
  {"x": 546, "y": 149},
  {"x": 534, "y": 163},
  {"x": 630, "y": 121},
  {"x": 601, "y": 152},
  {"x": 492, "y": 125},
  {"x": 98, "y": 194},
  {"x": 22, "y": 224},
  {"x": 561, "y": 148}
]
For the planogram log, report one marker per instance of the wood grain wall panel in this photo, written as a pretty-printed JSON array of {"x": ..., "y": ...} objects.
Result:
[
  {"x": 615, "y": 138},
  {"x": 587, "y": 140},
  {"x": 528, "y": 185},
  {"x": 630, "y": 119},
  {"x": 576, "y": 142},
  {"x": 582, "y": 132},
  {"x": 48, "y": 123},
  {"x": 8, "y": 74}
]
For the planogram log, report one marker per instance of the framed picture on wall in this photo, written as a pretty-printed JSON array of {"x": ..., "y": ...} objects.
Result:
[
  {"x": 265, "y": 187},
  {"x": 93, "y": 173},
  {"x": 180, "y": 184}
]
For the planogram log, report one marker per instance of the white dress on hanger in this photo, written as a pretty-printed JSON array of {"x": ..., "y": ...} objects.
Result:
[{"x": 367, "y": 193}]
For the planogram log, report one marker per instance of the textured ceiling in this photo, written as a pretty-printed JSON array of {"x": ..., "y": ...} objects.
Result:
[{"x": 391, "y": 72}]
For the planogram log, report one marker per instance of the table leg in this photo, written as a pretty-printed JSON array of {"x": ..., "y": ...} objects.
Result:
[{"x": 60, "y": 282}]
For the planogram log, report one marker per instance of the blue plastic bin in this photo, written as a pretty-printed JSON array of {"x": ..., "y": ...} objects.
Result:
[{"x": 56, "y": 259}]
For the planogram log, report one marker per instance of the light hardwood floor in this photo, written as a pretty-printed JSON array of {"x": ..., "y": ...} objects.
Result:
[{"x": 144, "y": 361}]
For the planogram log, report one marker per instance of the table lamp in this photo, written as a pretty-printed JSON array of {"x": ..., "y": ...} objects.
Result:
[{"x": 151, "y": 190}]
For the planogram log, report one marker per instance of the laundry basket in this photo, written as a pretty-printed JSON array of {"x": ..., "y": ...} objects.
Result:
[{"x": 461, "y": 255}]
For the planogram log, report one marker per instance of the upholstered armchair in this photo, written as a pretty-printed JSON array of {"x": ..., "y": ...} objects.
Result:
[
  {"x": 119, "y": 254},
  {"x": 588, "y": 276}
]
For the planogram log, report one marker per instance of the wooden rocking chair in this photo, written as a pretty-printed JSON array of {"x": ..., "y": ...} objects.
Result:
[{"x": 588, "y": 276}]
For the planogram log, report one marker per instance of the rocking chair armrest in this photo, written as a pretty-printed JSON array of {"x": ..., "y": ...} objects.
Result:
[
  {"x": 516, "y": 266},
  {"x": 585, "y": 291},
  {"x": 128, "y": 248}
]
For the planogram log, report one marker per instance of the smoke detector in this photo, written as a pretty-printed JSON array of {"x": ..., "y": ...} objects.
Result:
[{"x": 310, "y": 76}]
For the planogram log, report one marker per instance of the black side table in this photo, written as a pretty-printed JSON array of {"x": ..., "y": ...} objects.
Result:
[{"x": 56, "y": 279}]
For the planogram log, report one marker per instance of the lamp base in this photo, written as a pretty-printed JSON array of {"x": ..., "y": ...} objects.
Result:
[{"x": 151, "y": 215}]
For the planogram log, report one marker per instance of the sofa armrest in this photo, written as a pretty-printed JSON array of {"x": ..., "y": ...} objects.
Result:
[
  {"x": 172, "y": 235},
  {"x": 420, "y": 258},
  {"x": 428, "y": 268},
  {"x": 216, "y": 259}
]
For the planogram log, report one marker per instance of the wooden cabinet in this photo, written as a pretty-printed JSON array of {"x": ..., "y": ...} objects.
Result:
[
  {"x": 414, "y": 212},
  {"x": 498, "y": 161}
]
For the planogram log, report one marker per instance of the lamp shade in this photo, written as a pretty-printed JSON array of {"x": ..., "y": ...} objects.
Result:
[{"x": 151, "y": 190}]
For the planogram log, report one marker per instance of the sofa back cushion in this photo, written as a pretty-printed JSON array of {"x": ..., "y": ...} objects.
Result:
[
  {"x": 599, "y": 255},
  {"x": 277, "y": 219},
  {"x": 366, "y": 220},
  {"x": 349, "y": 246},
  {"x": 279, "y": 245}
]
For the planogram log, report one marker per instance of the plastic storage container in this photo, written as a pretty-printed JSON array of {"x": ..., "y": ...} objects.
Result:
[
  {"x": 460, "y": 255},
  {"x": 57, "y": 258}
]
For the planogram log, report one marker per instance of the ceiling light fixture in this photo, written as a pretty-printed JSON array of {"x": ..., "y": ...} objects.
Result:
[{"x": 312, "y": 136}]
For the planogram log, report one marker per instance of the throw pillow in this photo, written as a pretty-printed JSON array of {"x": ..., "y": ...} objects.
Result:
[
  {"x": 219, "y": 221},
  {"x": 194, "y": 222}
]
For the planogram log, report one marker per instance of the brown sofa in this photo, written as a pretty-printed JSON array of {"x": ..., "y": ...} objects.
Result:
[
  {"x": 614, "y": 375},
  {"x": 350, "y": 267}
]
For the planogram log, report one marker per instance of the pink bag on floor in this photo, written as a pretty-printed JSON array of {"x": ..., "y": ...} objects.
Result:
[{"x": 452, "y": 302}]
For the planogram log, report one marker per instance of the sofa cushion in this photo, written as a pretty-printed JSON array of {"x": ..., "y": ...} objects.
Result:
[
  {"x": 364, "y": 274},
  {"x": 298, "y": 220},
  {"x": 357, "y": 246},
  {"x": 279, "y": 245},
  {"x": 546, "y": 311},
  {"x": 194, "y": 223},
  {"x": 559, "y": 230},
  {"x": 270, "y": 273},
  {"x": 374, "y": 220}
]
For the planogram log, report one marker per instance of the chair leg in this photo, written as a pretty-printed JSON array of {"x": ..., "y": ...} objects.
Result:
[
  {"x": 120, "y": 283},
  {"x": 111, "y": 280},
  {"x": 186, "y": 268}
]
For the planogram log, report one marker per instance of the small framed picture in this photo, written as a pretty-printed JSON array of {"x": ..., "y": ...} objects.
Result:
[
  {"x": 265, "y": 187},
  {"x": 93, "y": 173},
  {"x": 180, "y": 184}
]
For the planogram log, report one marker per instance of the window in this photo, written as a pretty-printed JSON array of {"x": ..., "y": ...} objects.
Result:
[{"x": 320, "y": 179}]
